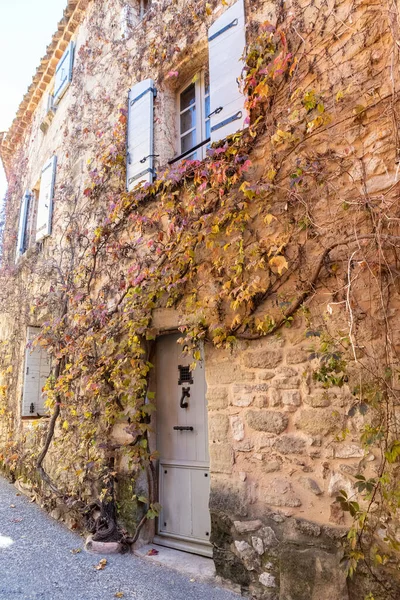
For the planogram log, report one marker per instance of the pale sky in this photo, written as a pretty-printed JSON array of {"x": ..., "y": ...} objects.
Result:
[{"x": 26, "y": 28}]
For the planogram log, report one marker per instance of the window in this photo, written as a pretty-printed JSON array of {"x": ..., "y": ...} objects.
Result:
[
  {"x": 194, "y": 122},
  {"x": 36, "y": 372},
  {"x": 63, "y": 73}
]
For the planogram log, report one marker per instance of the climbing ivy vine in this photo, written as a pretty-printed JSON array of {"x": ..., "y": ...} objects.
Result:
[{"x": 261, "y": 235}]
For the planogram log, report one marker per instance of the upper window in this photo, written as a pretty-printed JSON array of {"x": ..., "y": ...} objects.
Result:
[
  {"x": 194, "y": 121},
  {"x": 63, "y": 73}
]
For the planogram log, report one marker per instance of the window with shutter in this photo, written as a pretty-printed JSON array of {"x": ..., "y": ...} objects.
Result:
[
  {"x": 140, "y": 153},
  {"x": 45, "y": 202},
  {"x": 63, "y": 73},
  {"x": 36, "y": 372},
  {"x": 22, "y": 226},
  {"x": 226, "y": 43}
]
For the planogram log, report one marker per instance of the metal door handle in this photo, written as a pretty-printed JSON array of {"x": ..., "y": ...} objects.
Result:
[{"x": 180, "y": 428}]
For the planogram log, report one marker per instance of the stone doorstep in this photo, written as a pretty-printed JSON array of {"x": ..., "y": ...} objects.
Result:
[{"x": 196, "y": 567}]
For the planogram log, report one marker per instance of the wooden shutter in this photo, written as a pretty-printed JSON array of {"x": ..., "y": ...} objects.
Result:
[
  {"x": 45, "y": 202},
  {"x": 36, "y": 371},
  {"x": 226, "y": 43},
  {"x": 63, "y": 73},
  {"x": 139, "y": 159},
  {"x": 23, "y": 215}
]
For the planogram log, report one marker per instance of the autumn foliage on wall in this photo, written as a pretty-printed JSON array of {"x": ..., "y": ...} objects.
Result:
[{"x": 292, "y": 222}]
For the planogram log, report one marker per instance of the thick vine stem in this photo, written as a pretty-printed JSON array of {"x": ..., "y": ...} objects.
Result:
[{"x": 310, "y": 287}]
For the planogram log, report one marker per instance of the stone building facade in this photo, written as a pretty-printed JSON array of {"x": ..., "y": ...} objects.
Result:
[{"x": 260, "y": 489}]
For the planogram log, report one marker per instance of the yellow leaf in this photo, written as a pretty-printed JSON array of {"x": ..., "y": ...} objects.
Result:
[
  {"x": 119, "y": 595},
  {"x": 271, "y": 174},
  {"x": 269, "y": 218},
  {"x": 65, "y": 425},
  {"x": 208, "y": 9},
  {"x": 9, "y": 369},
  {"x": 279, "y": 263}
]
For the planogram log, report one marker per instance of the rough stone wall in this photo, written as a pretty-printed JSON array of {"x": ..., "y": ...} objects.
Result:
[{"x": 277, "y": 459}]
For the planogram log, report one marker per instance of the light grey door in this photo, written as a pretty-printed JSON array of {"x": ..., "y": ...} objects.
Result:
[{"x": 182, "y": 442}]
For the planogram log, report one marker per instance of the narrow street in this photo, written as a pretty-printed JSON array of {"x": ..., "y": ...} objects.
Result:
[{"x": 41, "y": 563}]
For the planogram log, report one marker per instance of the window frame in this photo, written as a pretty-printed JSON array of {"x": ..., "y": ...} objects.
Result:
[{"x": 201, "y": 94}]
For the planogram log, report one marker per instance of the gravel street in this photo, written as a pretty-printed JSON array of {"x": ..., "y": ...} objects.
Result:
[{"x": 39, "y": 564}]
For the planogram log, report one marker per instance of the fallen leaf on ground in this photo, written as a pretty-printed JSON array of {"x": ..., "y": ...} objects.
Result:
[
  {"x": 152, "y": 552},
  {"x": 76, "y": 550},
  {"x": 16, "y": 520},
  {"x": 101, "y": 565},
  {"x": 119, "y": 595},
  {"x": 12, "y": 505}
]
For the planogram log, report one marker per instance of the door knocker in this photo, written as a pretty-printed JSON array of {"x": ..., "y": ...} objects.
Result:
[{"x": 185, "y": 394}]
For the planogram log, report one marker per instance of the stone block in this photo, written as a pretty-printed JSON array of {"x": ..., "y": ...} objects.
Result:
[
  {"x": 237, "y": 428},
  {"x": 218, "y": 427},
  {"x": 348, "y": 451},
  {"x": 217, "y": 397},
  {"x": 280, "y": 493},
  {"x": 339, "y": 481},
  {"x": 286, "y": 383},
  {"x": 274, "y": 397},
  {"x": 258, "y": 545},
  {"x": 318, "y": 398},
  {"x": 291, "y": 397},
  {"x": 247, "y": 526},
  {"x": 267, "y": 580},
  {"x": 271, "y": 466},
  {"x": 295, "y": 356},
  {"x": 221, "y": 458},
  {"x": 263, "y": 359},
  {"x": 266, "y": 375},
  {"x": 289, "y": 444},
  {"x": 267, "y": 420},
  {"x": 247, "y": 554},
  {"x": 225, "y": 373},
  {"x": 268, "y": 537},
  {"x": 245, "y": 395},
  {"x": 311, "y": 485},
  {"x": 319, "y": 421}
]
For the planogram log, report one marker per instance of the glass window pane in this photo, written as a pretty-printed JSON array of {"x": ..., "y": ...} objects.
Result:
[
  {"x": 188, "y": 96},
  {"x": 207, "y": 106},
  {"x": 188, "y": 141},
  {"x": 208, "y": 128},
  {"x": 188, "y": 119}
]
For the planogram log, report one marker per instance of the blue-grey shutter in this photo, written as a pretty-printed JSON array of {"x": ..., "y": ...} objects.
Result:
[
  {"x": 23, "y": 216},
  {"x": 45, "y": 202},
  {"x": 63, "y": 73},
  {"x": 226, "y": 43},
  {"x": 36, "y": 372},
  {"x": 140, "y": 134}
]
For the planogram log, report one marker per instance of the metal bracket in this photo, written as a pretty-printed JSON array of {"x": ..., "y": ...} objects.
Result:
[
  {"x": 217, "y": 33},
  {"x": 131, "y": 179},
  {"x": 143, "y": 160},
  {"x": 149, "y": 89},
  {"x": 215, "y": 112},
  {"x": 234, "y": 117}
]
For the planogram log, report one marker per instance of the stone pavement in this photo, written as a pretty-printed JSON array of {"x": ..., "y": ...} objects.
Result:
[{"x": 39, "y": 563}]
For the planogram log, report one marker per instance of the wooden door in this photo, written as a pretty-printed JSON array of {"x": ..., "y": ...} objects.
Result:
[{"x": 182, "y": 441}]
